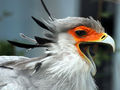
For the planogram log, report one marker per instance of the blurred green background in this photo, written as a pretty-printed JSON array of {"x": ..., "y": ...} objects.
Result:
[{"x": 15, "y": 18}]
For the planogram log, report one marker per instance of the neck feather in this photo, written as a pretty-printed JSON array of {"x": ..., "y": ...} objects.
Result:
[{"x": 69, "y": 69}]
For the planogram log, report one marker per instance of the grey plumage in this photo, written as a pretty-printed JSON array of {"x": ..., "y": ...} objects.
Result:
[
  {"x": 61, "y": 68},
  {"x": 43, "y": 77}
]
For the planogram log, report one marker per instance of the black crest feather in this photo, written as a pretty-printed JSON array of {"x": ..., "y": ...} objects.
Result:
[
  {"x": 22, "y": 45},
  {"x": 39, "y": 42},
  {"x": 47, "y": 10},
  {"x": 40, "y": 23},
  {"x": 42, "y": 40},
  {"x": 49, "y": 35}
]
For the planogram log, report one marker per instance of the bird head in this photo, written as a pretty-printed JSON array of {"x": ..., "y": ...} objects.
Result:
[
  {"x": 85, "y": 34},
  {"x": 86, "y": 38}
]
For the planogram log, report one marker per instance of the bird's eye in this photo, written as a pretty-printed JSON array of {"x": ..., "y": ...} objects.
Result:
[{"x": 81, "y": 32}]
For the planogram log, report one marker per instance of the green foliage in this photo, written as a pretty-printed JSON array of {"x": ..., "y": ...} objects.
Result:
[
  {"x": 103, "y": 55},
  {"x": 8, "y": 49},
  {"x": 106, "y": 14}
]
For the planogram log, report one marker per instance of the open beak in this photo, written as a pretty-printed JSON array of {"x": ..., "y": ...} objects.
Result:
[{"x": 107, "y": 41}]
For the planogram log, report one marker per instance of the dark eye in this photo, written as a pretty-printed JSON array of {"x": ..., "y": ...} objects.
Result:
[{"x": 81, "y": 32}]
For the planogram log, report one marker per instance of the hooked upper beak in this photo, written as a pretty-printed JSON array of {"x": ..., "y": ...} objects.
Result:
[{"x": 109, "y": 40}]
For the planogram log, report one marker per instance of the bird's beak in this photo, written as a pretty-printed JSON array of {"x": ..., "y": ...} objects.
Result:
[{"x": 109, "y": 40}]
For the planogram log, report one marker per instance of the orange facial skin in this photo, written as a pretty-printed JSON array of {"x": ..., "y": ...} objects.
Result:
[{"x": 91, "y": 36}]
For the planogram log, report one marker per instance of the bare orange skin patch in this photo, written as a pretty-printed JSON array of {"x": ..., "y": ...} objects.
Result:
[{"x": 90, "y": 36}]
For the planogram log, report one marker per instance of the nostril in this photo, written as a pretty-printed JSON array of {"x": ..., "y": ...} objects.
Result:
[{"x": 103, "y": 37}]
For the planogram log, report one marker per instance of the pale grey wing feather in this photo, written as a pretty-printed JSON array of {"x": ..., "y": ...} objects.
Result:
[
  {"x": 11, "y": 61},
  {"x": 4, "y": 59},
  {"x": 20, "y": 62},
  {"x": 17, "y": 76},
  {"x": 7, "y": 75}
]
